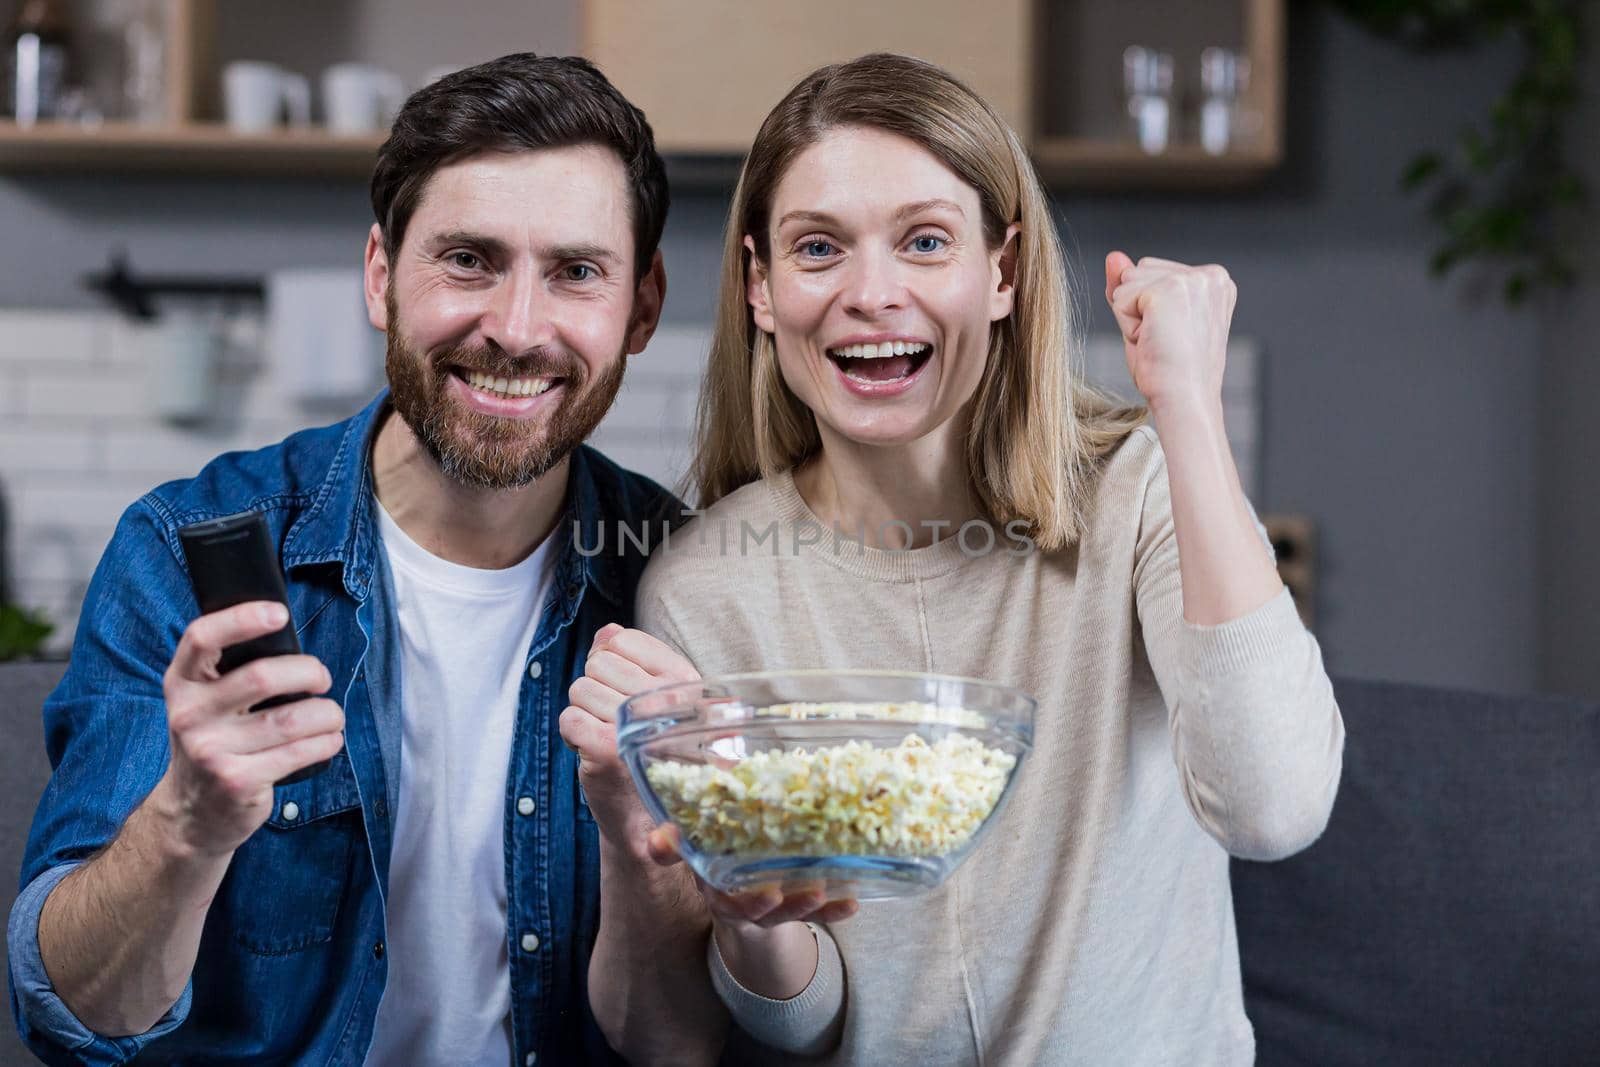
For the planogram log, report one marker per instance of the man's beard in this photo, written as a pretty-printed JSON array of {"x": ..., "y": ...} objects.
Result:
[{"x": 488, "y": 451}]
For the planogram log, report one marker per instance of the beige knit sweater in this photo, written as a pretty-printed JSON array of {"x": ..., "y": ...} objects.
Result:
[{"x": 1094, "y": 924}]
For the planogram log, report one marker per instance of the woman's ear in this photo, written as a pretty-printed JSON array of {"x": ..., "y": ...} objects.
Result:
[
  {"x": 375, "y": 279},
  {"x": 755, "y": 288},
  {"x": 1003, "y": 268}
]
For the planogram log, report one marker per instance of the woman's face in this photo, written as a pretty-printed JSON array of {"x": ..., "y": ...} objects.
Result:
[{"x": 880, "y": 291}]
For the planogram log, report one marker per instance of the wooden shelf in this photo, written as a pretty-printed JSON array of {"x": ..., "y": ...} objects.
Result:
[
  {"x": 191, "y": 147},
  {"x": 1082, "y": 163},
  {"x": 1019, "y": 54}
]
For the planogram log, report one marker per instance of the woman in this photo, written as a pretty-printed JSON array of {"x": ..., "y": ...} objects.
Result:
[{"x": 892, "y": 358}]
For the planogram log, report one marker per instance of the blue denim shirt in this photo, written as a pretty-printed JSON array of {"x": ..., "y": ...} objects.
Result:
[{"x": 291, "y": 963}]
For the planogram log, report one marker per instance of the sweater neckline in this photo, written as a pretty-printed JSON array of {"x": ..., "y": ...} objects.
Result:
[{"x": 850, "y": 554}]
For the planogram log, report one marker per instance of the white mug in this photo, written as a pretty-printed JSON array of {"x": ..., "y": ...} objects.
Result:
[
  {"x": 325, "y": 349},
  {"x": 358, "y": 99},
  {"x": 179, "y": 352},
  {"x": 255, "y": 95}
]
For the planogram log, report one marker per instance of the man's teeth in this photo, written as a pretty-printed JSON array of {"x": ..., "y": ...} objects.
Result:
[
  {"x": 880, "y": 351},
  {"x": 509, "y": 386}
]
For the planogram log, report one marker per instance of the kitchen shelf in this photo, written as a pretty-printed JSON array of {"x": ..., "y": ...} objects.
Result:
[
  {"x": 193, "y": 147},
  {"x": 1051, "y": 67},
  {"x": 1085, "y": 163}
]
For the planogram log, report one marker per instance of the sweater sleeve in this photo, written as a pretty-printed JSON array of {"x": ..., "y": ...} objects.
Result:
[
  {"x": 1256, "y": 733},
  {"x": 807, "y": 1024}
]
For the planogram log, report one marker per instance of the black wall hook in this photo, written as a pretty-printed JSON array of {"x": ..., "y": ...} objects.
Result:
[{"x": 133, "y": 294}]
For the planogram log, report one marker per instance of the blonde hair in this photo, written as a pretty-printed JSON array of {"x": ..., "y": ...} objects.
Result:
[{"x": 1039, "y": 432}]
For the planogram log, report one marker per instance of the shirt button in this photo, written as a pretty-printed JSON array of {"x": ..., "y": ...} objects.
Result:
[
  {"x": 535, "y": 669},
  {"x": 530, "y": 1059},
  {"x": 525, "y": 805},
  {"x": 381, "y": 808},
  {"x": 377, "y": 951},
  {"x": 530, "y": 943},
  {"x": 291, "y": 811}
]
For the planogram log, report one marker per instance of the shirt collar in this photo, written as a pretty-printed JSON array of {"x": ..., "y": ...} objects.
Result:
[{"x": 340, "y": 525}]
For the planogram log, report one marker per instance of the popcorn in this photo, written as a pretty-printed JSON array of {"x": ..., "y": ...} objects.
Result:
[
  {"x": 908, "y": 711},
  {"x": 905, "y": 800}
]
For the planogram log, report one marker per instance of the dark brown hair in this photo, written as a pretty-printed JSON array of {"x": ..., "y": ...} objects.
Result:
[{"x": 519, "y": 101}]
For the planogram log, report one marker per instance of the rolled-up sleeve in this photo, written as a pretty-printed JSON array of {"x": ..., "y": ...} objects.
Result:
[
  {"x": 105, "y": 728},
  {"x": 44, "y": 1021},
  {"x": 1256, "y": 732}
]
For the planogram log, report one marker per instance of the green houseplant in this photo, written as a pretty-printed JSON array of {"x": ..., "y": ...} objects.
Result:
[
  {"x": 1500, "y": 192},
  {"x": 22, "y": 632}
]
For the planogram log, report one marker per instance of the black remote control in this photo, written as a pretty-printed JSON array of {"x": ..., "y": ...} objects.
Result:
[{"x": 231, "y": 560}]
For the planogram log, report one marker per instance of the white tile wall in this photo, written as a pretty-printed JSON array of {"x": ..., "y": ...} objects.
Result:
[
  {"x": 76, "y": 444},
  {"x": 1106, "y": 364}
]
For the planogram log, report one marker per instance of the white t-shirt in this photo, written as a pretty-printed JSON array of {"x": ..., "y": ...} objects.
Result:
[{"x": 464, "y": 634}]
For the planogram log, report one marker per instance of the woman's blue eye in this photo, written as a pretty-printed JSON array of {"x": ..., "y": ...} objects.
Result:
[
  {"x": 817, "y": 249},
  {"x": 927, "y": 243}
]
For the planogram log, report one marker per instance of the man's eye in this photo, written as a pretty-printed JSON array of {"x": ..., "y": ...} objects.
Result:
[
  {"x": 465, "y": 260},
  {"x": 927, "y": 243},
  {"x": 817, "y": 249},
  {"x": 580, "y": 272}
]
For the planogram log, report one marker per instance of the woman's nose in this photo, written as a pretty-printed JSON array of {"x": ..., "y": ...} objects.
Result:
[{"x": 873, "y": 285}]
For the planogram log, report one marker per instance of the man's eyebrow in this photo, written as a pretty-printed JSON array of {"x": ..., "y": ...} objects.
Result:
[
  {"x": 562, "y": 253},
  {"x": 492, "y": 245}
]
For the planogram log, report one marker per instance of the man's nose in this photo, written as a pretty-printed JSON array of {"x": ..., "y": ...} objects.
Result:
[
  {"x": 518, "y": 317},
  {"x": 873, "y": 285}
]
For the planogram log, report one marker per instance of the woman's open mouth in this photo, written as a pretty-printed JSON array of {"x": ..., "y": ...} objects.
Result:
[{"x": 881, "y": 369}]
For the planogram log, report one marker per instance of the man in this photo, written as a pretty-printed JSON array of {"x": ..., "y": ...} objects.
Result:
[{"x": 433, "y": 896}]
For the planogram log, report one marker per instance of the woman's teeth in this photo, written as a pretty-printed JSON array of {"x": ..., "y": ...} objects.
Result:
[
  {"x": 885, "y": 361},
  {"x": 882, "y": 350},
  {"x": 508, "y": 386}
]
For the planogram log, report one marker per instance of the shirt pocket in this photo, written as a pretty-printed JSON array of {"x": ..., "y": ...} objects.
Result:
[{"x": 287, "y": 883}]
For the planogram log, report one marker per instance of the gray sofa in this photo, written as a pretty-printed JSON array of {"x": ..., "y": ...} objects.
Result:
[
  {"x": 1449, "y": 915},
  {"x": 23, "y": 773}
]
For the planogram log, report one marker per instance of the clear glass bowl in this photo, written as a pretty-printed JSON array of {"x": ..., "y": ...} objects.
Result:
[{"x": 874, "y": 784}]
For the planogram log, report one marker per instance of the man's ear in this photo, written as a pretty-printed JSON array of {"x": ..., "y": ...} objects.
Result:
[
  {"x": 375, "y": 282},
  {"x": 1002, "y": 297},
  {"x": 647, "y": 301},
  {"x": 756, "y": 292}
]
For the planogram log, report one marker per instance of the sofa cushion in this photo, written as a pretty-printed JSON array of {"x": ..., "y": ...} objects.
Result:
[
  {"x": 1451, "y": 912},
  {"x": 23, "y": 773}
]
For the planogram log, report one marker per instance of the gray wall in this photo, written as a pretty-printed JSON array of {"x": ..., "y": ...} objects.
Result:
[
  {"x": 1570, "y": 445},
  {"x": 1402, "y": 412}
]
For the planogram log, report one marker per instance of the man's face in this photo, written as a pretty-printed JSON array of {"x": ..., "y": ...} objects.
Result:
[{"x": 511, "y": 308}]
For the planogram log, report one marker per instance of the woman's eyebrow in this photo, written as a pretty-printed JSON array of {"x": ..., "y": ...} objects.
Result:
[
  {"x": 821, "y": 218},
  {"x": 935, "y": 203}
]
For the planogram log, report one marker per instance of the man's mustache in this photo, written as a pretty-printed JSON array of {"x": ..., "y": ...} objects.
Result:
[{"x": 535, "y": 363}]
